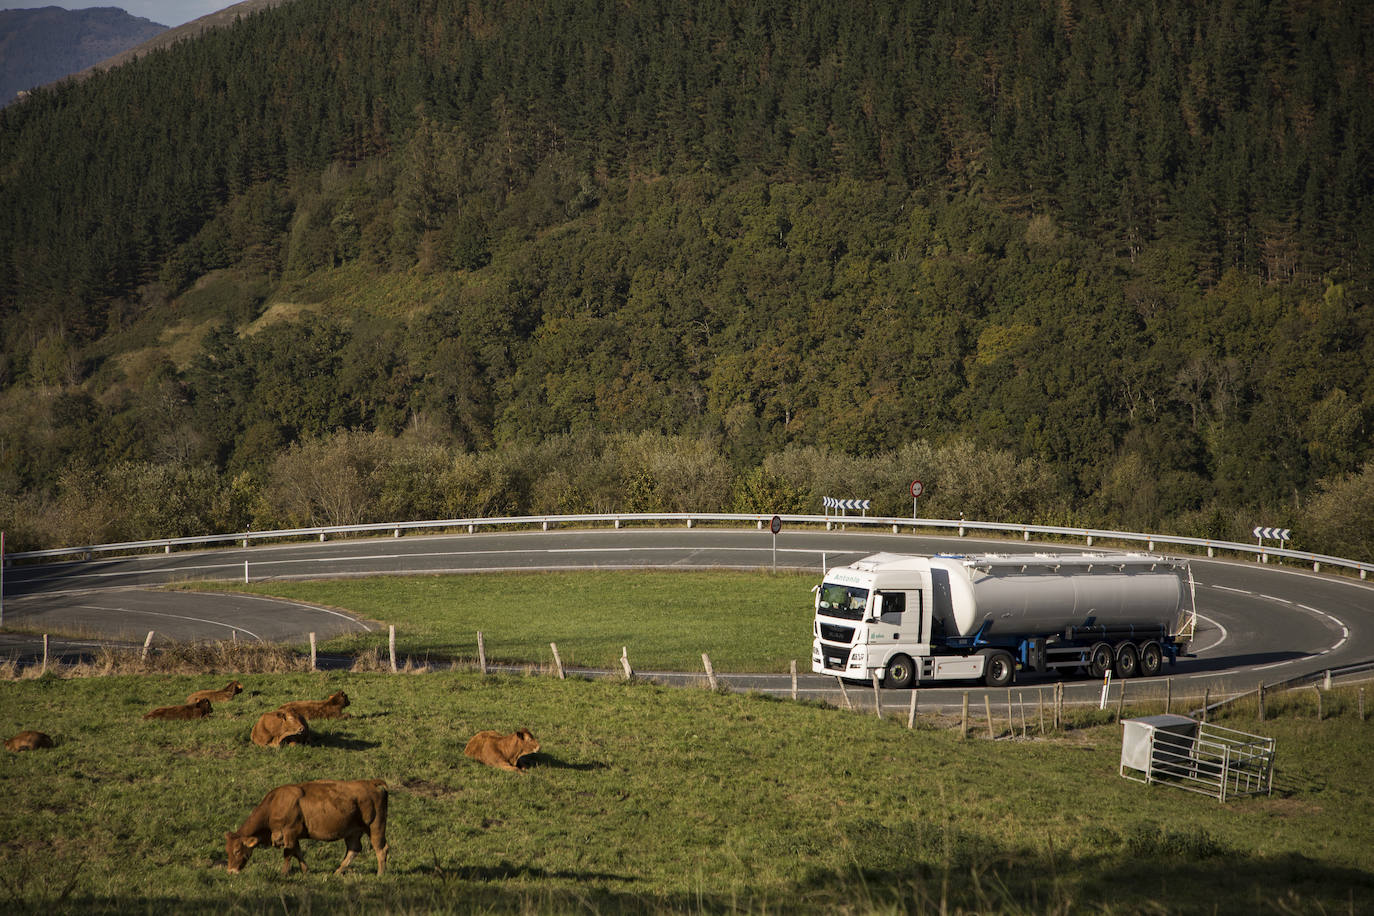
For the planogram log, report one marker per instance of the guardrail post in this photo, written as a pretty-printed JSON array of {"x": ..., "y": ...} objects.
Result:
[
  {"x": 689, "y": 522},
  {"x": 396, "y": 533},
  {"x": 1090, "y": 540},
  {"x": 1025, "y": 534},
  {"x": 321, "y": 537},
  {"x": 617, "y": 523}
]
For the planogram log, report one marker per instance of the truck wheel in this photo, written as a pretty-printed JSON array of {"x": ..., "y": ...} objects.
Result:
[
  {"x": 900, "y": 673},
  {"x": 998, "y": 669},
  {"x": 1151, "y": 659},
  {"x": 1127, "y": 660},
  {"x": 1100, "y": 658}
]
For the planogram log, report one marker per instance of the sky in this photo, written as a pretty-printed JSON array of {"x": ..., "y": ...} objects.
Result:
[{"x": 167, "y": 12}]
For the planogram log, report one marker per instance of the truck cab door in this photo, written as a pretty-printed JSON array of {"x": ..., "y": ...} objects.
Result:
[{"x": 890, "y": 623}]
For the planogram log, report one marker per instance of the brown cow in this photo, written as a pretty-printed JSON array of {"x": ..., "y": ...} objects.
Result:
[
  {"x": 223, "y": 695},
  {"x": 278, "y": 727},
  {"x": 331, "y": 708},
  {"x": 324, "y": 810},
  {"x": 28, "y": 741},
  {"x": 504, "y": 751},
  {"x": 197, "y": 710}
]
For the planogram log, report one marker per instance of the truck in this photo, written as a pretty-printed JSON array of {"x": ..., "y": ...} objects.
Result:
[{"x": 906, "y": 620}]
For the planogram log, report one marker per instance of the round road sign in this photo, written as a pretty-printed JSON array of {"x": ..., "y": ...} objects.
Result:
[
  {"x": 775, "y": 525},
  {"x": 917, "y": 488}
]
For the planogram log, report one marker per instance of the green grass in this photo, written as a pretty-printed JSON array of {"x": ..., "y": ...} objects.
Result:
[
  {"x": 746, "y": 621},
  {"x": 649, "y": 799}
]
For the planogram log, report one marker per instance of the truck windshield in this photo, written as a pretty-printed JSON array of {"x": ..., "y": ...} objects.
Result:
[{"x": 843, "y": 601}]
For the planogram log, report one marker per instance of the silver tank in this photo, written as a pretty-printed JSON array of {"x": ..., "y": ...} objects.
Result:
[{"x": 1047, "y": 593}]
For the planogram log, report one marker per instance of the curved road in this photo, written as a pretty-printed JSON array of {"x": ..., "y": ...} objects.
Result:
[{"x": 1257, "y": 622}]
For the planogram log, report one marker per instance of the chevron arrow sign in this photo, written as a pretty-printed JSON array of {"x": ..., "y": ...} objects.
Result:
[
  {"x": 833, "y": 503},
  {"x": 1274, "y": 534}
]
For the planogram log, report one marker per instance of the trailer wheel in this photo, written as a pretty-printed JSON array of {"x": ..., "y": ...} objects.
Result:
[
  {"x": 1127, "y": 660},
  {"x": 1100, "y": 658},
  {"x": 998, "y": 669},
  {"x": 1151, "y": 659},
  {"x": 900, "y": 673}
]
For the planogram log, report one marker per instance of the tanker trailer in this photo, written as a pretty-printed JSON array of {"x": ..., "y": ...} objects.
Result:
[{"x": 907, "y": 619}]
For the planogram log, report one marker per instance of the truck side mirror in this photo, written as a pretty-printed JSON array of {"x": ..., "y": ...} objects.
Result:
[{"x": 876, "y": 608}]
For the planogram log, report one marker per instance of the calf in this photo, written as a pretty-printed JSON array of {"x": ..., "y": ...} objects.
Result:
[
  {"x": 504, "y": 751},
  {"x": 28, "y": 741},
  {"x": 223, "y": 695},
  {"x": 324, "y": 810},
  {"x": 332, "y": 708},
  {"x": 275, "y": 728},
  {"x": 197, "y": 710}
]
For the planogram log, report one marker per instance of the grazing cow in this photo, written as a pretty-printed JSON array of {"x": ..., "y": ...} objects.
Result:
[
  {"x": 28, "y": 741},
  {"x": 223, "y": 695},
  {"x": 331, "y": 708},
  {"x": 278, "y": 727},
  {"x": 504, "y": 751},
  {"x": 197, "y": 710},
  {"x": 324, "y": 810}
]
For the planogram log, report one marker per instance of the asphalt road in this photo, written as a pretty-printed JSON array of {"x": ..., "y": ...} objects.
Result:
[{"x": 1257, "y": 622}]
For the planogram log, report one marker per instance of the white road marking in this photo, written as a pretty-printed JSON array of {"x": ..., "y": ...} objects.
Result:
[{"x": 217, "y": 623}]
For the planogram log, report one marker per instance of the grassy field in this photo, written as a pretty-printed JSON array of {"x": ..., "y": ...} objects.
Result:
[
  {"x": 653, "y": 800},
  {"x": 746, "y": 621}
]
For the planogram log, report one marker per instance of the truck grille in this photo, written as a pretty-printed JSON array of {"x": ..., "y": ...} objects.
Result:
[
  {"x": 832, "y": 633},
  {"x": 835, "y": 658}
]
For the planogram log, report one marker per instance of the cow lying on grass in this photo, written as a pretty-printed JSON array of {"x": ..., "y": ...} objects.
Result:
[
  {"x": 325, "y": 810},
  {"x": 332, "y": 708},
  {"x": 28, "y": 741},
  {"x": 278, "y": 727},
  {"x": 504, "y": 751},
  {"x": 222, "y": 695},
  {"x": 197, "y": 710}
]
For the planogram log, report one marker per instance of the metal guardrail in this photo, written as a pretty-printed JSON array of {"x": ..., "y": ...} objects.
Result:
[{"x": 617, "y": 519}]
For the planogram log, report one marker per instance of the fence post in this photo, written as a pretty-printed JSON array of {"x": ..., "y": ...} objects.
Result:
[
  {"x": 710, "y": 674},
  {"x": 1040, "y": 699},
  {"x": 794, "y": 679},
  {"x": 1168, "y": 695},
  {"x": 1206, "y": 701},
  {"x": 877, "y": 697},
  {"x": 963, "y": 726},
  {"x": 911, "y": 713},
  {"x": 1361, "y": 704},
  {"x": 1011, "y": 717},
  {"x": 312, "y": 651},
  {"x": 1259, "y": 691},
  {"x": 1121, "y": 701},
  {"x": 1319, "y": 701},
  {"x": 557, "y": 662},
  {"x": 845, "y": 693},
  {"x": 987, "y": 711},
  {"x": 625, "y": 662},
  {"x": 481, "y": 653},
  {"x": 146, "y": 643},
  {"x": 44, "y": 669},
  {"x": 391, "y": 644}
]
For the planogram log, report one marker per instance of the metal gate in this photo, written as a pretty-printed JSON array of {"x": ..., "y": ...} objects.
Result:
[{"x": 1197, "y": 757}]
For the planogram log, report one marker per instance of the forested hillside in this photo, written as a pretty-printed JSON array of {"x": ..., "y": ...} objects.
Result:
[{"x": 365, "y": 260}]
